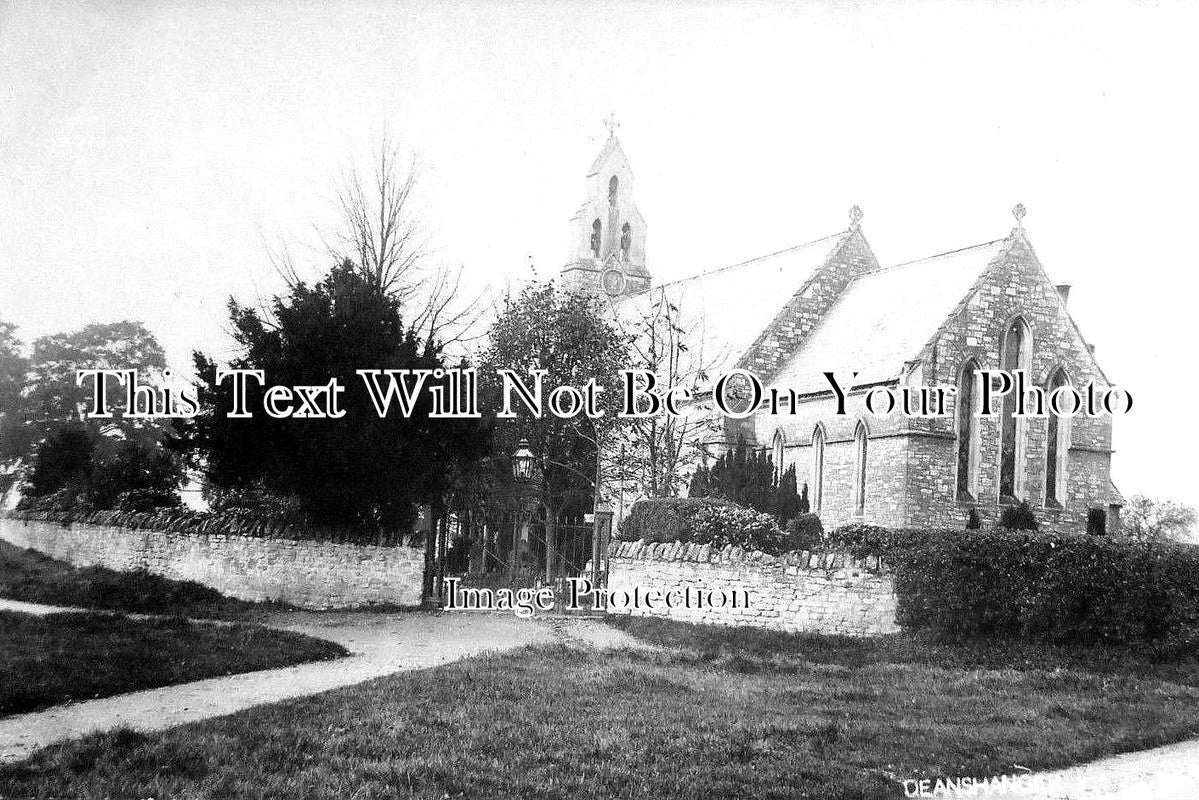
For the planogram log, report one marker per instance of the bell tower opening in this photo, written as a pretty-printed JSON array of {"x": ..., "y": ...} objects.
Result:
[{"x": 608, "y": 232}]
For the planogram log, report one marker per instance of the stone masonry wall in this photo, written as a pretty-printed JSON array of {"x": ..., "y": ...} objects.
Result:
[
  {"x": 796, "y": 592},
  {"x": 911, "y": 465},
  {"x": 308, "y": 574},
  {"x": 791, "y": 327}
]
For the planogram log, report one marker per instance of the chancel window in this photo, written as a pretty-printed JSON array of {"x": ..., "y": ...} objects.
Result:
[
  {"x": 1056, "y": 447},
  {"x": 967, "y": 431},
  {"x": 626, "y": 241},
  {"x": 1015, "y": 356},
  {"x": 596, "y": 228},
  {"x": 613, "y": 185}
]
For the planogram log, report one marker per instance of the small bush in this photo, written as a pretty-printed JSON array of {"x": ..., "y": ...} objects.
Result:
[
  {"x": 1018, "y": 518},
  {"x": 723, "y": 525},
  {"x": 805, "y": 532},
  {"x": 973, "y": 522},
  {"x": 146, "y": 500}
]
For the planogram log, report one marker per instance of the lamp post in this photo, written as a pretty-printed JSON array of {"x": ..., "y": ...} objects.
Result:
[
  {"x": 522, "y": 470},
  {"x": 599, "y": 534}
]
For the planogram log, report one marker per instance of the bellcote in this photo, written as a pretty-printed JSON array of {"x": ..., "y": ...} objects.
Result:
[{"x": 607, "y": 250}]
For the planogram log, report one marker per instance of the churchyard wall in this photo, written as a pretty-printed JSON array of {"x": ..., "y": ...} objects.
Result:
[
  {"x": 306, "y": 573},
  {"x": 795, "y": 592}
]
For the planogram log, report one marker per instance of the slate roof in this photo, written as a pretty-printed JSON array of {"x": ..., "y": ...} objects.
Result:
[
  {"x": 884, "y": 319},
  {"x": 725, "y": 310}
]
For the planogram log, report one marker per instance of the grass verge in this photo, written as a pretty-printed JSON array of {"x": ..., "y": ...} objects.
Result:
[
  {"x": 30, "y": 576},
  {"x": 47, "y": 661},
  {"x": 731, "y": 717}
]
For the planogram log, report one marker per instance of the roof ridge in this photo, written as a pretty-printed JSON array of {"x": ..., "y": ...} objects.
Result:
[
  {"x": 749, "y": 260},
  {"x": 938, "y": 255}
]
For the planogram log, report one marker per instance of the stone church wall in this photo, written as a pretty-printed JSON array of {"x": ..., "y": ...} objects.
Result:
[
  {"x": 911, "y": 472},
  {"x": 797, "y": 592},
  {"x": 1013, "y": 287},
  {"x": 804, "y": 311},
  {"x": 309, "y": 574}
]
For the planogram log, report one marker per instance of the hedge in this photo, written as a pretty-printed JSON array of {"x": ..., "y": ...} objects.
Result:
[{"x": 1046, "y": 587}]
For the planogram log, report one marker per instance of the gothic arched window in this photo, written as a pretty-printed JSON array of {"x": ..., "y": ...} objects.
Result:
[
  {"x": 1056, "y": 447},
  {"x": 626, "y": 241},
  {"x": 859, "y": 469},
  {"x": 967, "y": 431},
  {"x": 613, "y": 184},
  {"x": 596, "y": 228},
  {"x": 779, "y": 444},
  {"x": 1011, "y": 450},
  {"x": 817, "y": 469}
]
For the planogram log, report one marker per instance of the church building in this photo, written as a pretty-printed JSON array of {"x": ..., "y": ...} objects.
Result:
[{"x": 829, "y": 305}]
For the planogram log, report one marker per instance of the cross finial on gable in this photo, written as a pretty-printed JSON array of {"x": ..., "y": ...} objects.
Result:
[
  {"x": 1018, "y": 212},
  {"x": 611, "y": 124},
  {"x": 855, "y": 216}
]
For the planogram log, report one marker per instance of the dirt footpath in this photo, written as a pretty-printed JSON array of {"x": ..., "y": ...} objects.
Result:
[
  {"x": 380, "y": 644},
  {"x": 1163, "y": 773}
]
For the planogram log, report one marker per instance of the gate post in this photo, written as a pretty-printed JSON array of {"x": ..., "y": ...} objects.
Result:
[{"x": 602, "y": 528}]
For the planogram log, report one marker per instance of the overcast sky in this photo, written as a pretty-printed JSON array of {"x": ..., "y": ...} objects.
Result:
[{"x": 152, "y": 154}]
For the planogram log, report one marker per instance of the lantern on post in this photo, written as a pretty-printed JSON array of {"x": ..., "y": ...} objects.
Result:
[
  {"x": 523, "y": 461},
  {"x": 600, "y": 532}
]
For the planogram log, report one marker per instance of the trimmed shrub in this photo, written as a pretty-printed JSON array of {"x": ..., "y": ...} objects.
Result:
[
  {"x": 973, "y": 523},
  {"x": 805, "y": 532},
  {"x": 1018, "y": 518},
  {"x": 1050, "y": 588}
]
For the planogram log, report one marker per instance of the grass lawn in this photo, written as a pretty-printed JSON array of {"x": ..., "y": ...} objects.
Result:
[
  {"x": 47, "y": 661},
  {"x": 728, "y": 714},
  {"x": 36, "y": 578}
]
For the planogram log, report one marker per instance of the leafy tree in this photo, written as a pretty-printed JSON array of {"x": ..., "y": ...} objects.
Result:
[
  {"x": 748, "y": 477},
  {"x": 54, "y": 398},
  {"x": 14, "y": 438},
  {"x": 1155, "y": 519},
  {"x": 82, "y": 469},
  {"x": 356, "y": 470},
  {"x": 62, "y": 460},
  {"x": 45, "y": 430},
  {"x": 569, "y": 337}
]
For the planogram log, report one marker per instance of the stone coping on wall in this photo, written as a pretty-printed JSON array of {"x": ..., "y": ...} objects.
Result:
[
  {"x": 185, "y": 520},
  {"x": 731, "y": 555}
]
